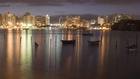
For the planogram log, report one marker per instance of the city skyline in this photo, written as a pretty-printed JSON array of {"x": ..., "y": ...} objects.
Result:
[{"x": 10, "y": 20}]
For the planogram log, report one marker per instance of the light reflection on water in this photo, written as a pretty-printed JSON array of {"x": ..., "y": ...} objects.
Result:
[
  {"x": 21, "y": 59},
  {"x": 10, "y": 58},
  {"x": 26, "y": 53}
]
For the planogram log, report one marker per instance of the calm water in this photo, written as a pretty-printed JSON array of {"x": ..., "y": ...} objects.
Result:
[{"x": 21, "y": 59}]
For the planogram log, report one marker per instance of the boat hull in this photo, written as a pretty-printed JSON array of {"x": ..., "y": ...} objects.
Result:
[
  {"x": 68, "y": 41},
  {"x": 95, "y": 43}
]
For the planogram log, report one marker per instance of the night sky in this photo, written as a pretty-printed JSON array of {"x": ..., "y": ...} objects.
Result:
[{"x": 61, "y": 7}]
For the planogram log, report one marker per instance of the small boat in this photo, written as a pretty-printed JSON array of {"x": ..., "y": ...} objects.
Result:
[
  {"x": 132, "y": 48},
  {"x": 93, "y": 42},
  {"x": 68, "y": 41}
]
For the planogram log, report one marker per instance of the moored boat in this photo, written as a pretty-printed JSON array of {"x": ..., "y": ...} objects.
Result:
[
  {"x": 93, "y": 42},
  {"x": 68, "y": 41}
]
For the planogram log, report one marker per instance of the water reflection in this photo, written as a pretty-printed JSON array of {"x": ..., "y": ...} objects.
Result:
[
  {"x": 26, "y": 53},
  {"x": 103, "y": 51},
  {"x": 69, "y": 35},
  {"x": 53, "y": 52},
  {"x": 21, "y": 59},
  {"x": 10, "y": 51},
  {"x": 3, "y": 46},
  {"x": 13, "y": 53},
  {"x": 50, "y": 59},
  {"x": 78, "y": 49}
]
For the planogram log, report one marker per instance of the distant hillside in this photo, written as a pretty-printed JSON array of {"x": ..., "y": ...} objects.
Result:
[
  {"x": 127, "y": 25},
  {"x": 55, "y": 19},
  {"x": 137, "y": 17}
]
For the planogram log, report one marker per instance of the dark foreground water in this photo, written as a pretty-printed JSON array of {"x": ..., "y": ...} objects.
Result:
[{"x": 21, "y": 59}]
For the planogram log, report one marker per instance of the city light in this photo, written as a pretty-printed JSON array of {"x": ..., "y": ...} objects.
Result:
[{"x": 11, "y": 21}]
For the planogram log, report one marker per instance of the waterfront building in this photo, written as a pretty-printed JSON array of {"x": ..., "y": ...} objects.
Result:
[
  {"x": 75, "y": 22},
  {"x": 0, "y": 20},
  {"x": 93, "y": 21},
  {"x": 27, "y": 20},
  {"x": 100, "y": 20},
  {"x": 47, "y": 19},
  {"x": 8, "y": 20},
  {"x": 40, "y": 21},
  {"x": 117, "y": 17}
]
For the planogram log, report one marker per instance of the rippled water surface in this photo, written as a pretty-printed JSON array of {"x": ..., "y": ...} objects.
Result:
[{"x": 20, "y": 58}]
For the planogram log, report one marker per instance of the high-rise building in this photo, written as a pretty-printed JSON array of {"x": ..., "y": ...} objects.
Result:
[
  {"x": 47, "y": 19},
  {"x": 40, "y": 21},
  {"x": 100, "y": 20},
  {"x": 27, "y": 20},
  {"x": 8, "y": 20}
]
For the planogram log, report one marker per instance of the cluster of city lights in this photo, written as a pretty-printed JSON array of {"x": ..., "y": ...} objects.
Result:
[{"x": 10, "y": 21}]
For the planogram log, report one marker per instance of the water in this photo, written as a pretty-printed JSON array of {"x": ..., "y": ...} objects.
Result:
[{"x": 21, "y": 59}]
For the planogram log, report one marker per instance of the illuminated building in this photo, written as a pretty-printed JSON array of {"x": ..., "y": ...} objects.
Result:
[
  {"x": 103, "y": 22},
  {"x": 26, "y": 45},
  {"x": 47, "y": 19},
  {"x": 75, "y": 22},
  {"x": 28, "y": 20},
  {"x": 19, "y": 21},
  {"x": 100, "y": 20},
  {"x": 93, "y": 21},
  {"x": 106, "y": 23},
  {"x": 117, "y": 17},
  {"x": 0, "y": 20},
  {"x": 40, "y": 21},
  {"x": 8, "y": 20}
]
